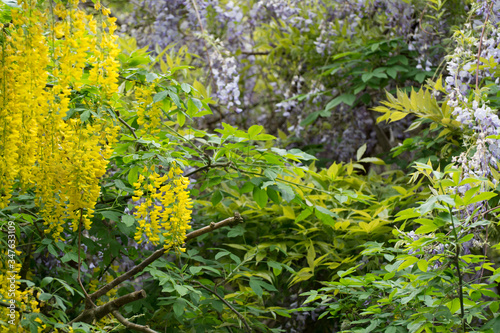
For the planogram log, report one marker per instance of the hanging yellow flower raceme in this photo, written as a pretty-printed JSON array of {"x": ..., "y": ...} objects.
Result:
[
  {"x": 61, "y": 159},
  {"x": 148, "y": 112},
  {"x": 166, "y": 209}
]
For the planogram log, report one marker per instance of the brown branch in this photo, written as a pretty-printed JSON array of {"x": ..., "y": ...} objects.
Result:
[
  {"x": 95, "y": 314},
  {"x": 227, "y": 304},
  {"x": 216, "y": 165},
  {"x": 128, "y": 126},
  {"x": 255, "y": 53},
  {"x": 131, "y": 325},
  {"x": 158, "y": 253},
  {"x": 7, "y": 305}
]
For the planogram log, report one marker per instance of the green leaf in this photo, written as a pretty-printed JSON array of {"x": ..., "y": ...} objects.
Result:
[
  {"x": 348, "y": 99},
  {"x": 391, "y": 329},
  {"x": 325, "y": 211},
  {"x": 366, "y": 77},
  {"x": 85, "y": 116},
  {"x": 128, "y": 220},
  {"x": 150, "y": 77},
  {"x": 70, "y": 256},
  {"x": 133, "y": 175},
  {"x": 310, "y": 119},
  {"x": 111, "y": 215},
  {"x": 46, "y": 280},
  {"x": 260, "y": 196},
  {"x": 373, "y": 160},
  {"x": 466, "y": 238},
  {"x": 160, "y": 96},
  {"x": 175, "y": 98},
  {"x": 256, "y": 287},
  {"x": 217, "y": 197},
  {"x": 181, "y": 119},
  {"x": 422, "y": 265},
  {"x": 286, "y": 192},
  {"x": 236, "y": 231},
  {"x": 186, "y": 88},
  {"x": 273, "y": 195},
  {"x": 304, "y": 214},
  {"x": 427, "y": 226},
  {"x": 454, "y": 305},
  {"x": 407, "y": 262},
  {"x": 52, "y": 250},
  {"x": 360, "y": 152},
  {"x": 44, "y": 296},
  {"x": 179, "y": 306},
  {"x": 349, "y": 271},
  {"x": 254, "y": 130},
  {"x": 248, "y": 187},
  {"x": 481, "y": 197},
  {"x": 195, "y": 269},
  {"x": 325, "y": 218}
]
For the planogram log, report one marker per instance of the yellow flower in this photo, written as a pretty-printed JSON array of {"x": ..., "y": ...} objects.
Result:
[
  {"x": 166, "y": 210},
  {"x": 61, "y": 159}
]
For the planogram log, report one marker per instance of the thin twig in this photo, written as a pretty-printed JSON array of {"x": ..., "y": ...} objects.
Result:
[
  {"x": 101, "y": 274},
  {"x": 480, "y": 45},
  {"x": 457, "y": 264},
  {"x": 227, "y": 304},
  {"x": 420, "y": 21},
  {"x": 216, "y": 165},
  {"x": 255, "y": 52},
  {"x": 131, "y": 325},
  {"x": 128, "y": 126}
]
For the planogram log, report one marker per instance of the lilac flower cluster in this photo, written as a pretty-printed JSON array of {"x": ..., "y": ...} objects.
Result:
[
  {"x": 476, "y": 116},
  {"x": 226, "y": 77},
  {"x": 462, "y": 64},
  {"x": 484, "y": 8},
  {"x": 480, "y": 122}
]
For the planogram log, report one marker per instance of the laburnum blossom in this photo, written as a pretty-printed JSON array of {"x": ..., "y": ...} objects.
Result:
[
  {"x": 166, "y": 210},
  {"x": 148, "y": 112},
  {"x": 60, "y": 158}
]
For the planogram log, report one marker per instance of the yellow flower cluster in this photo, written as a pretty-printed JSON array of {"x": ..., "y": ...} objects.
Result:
[
  {"x": 61, "y": 159},
  {"x": 148, "y": 112},
  {"x": 166, "y": 210},
  {"x": 25, "y": 301}
]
